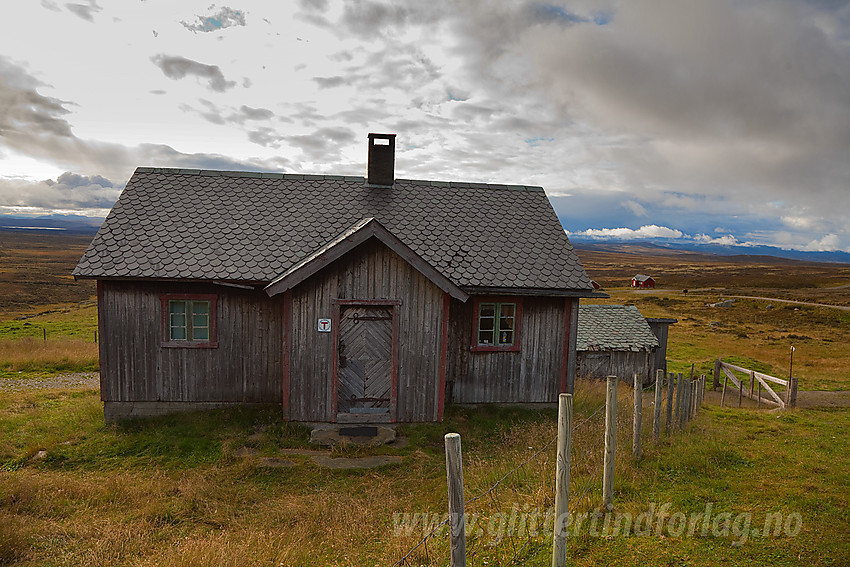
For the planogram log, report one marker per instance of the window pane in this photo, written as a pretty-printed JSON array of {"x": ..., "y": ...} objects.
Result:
[
  {"x": 506, "y": 338},
  {"x": 507, "y": 309},
  {"x": 177, "y": 320},
  {"x": 487, "y": 310},
  {"x": 486, "y": 324},
  {"x": 485, "y": 337},
  {"x": 200, "y": 333},
  {"x": 200, "y": 307},
  {"x": 506, "y": 323}
]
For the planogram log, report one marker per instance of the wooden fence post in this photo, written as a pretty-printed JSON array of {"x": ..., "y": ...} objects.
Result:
[
  {"x": 740, "y": 391},
  {"x": 637, "y": 417},
  {"x": 694, "y": 394},
  {"x": 792, "y": 389},
  {"x": 759, "y": 397},
  {"x": 656, "y": 417},
  {"x": 44, "y": 331},
  {"x": 752, "y": 383},
  {"x": 671, "y": 381},
  {"x": 683, "y": 409},
  {"x": 723, "y": 395},
  {"x": 610, "y": 442},
  {"x": 457, "y": 519},
  {"x": 680, "y": 385},
  {"x": 716, "y": 383},
  {"x": 562, "y": 480}
]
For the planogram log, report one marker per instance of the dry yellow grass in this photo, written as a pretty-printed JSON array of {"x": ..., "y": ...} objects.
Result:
[{"x": 33, "y": 355}]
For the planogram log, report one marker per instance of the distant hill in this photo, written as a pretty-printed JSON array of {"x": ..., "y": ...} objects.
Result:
[
  {"x": 763, "y": 254},
  {"x": 65, "y": 223}
]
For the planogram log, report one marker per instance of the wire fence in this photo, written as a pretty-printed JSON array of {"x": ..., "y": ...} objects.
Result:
[
  {"x": 515, "y": 512},
  {"x": 511, "y": 520}
]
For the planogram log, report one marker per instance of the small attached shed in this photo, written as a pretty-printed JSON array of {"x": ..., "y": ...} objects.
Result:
[
  {"x": 340, "y": 298},
  {"x": 660, "y": 327},
  {"x": 643, "y": 282},
  {"x": 614, "y": 340}
]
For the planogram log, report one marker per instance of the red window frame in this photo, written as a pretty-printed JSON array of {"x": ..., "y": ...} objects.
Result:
[
  {"x": 164, "y": 298},
  {"x": 476, "y": 301}
]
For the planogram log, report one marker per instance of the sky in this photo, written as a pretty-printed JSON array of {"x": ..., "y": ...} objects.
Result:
[{"x": 709, "y": 121}]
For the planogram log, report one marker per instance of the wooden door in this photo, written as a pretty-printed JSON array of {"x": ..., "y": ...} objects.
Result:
[{"x": 365, "y": 361}]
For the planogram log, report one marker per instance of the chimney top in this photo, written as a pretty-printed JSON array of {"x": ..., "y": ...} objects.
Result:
[{"x": 381, "y": 168}]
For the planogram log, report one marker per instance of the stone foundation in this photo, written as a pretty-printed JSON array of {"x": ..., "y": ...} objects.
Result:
[{"x": 113, "y": 411}]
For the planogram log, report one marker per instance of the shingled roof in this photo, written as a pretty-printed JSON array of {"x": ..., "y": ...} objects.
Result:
[
  {"x": 613, "y": 327},
  {"x": 253, "y": 227}
]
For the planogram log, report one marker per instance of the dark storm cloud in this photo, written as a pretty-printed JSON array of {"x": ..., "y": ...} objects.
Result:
[
  {"x": 84, "y": 11},
  {"x": 229, "y": 115},
  {"x": 26, "y": 115},
  {"x": 323, "y": 145},
  {"x": 224, "y": 18},
  {"x": 177, "y": 67}
]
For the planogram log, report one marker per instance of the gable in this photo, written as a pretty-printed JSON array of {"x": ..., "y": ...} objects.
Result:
[
  {"x": 359, "y": 233},
  {"x": 253, "y": 227}
]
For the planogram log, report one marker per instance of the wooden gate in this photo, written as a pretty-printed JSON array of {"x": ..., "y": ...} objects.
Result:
[{"x": 365, "y": 376}]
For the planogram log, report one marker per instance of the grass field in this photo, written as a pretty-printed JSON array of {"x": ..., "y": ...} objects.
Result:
[{"x": 172, "y": 491}]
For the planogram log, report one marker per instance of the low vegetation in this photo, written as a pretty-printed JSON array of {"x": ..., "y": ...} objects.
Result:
[{"x": 173, "y": 490}]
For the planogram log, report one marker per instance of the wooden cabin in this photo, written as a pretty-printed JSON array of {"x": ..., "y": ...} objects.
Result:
[
  {"x": 342, "y": 299},
  {"x": 615, "y": 340},
  {"x": 643, "y": 281}
]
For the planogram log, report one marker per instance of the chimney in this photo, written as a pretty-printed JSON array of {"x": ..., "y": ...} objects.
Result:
[{"x": 381, "y": 160}]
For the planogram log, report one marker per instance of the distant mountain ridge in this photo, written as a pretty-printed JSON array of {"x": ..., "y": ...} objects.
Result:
[
  {"x": 744, "y": 253},
  {"x": 65, "y": 223}
]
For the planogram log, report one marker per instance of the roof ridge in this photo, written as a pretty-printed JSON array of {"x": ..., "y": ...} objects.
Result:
[{"x": 332, "y": 177}]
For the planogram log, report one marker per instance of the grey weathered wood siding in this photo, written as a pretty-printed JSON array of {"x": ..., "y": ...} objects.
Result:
[
  {"x": 246, "y": 366},
  {"x": 622, "y": 364},
  {"x": 659, "y": 357},
  {"x": 371, "y": 271},
  {"x": 533, "y": 374}
]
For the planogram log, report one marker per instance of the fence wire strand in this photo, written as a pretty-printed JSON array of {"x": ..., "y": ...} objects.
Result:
[{"x": 541, "y": 491}]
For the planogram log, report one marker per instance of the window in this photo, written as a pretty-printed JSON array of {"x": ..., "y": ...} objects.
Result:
[
  {"x": 188, "y": 320},
  {"x": 496, "y": 324}
]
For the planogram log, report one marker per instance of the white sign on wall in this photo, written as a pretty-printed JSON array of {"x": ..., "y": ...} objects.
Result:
[{"x": 324, "y": 325}]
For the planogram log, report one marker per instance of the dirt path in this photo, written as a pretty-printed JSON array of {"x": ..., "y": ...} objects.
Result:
[
  {"x": 76, "y": 380},
  {"x": 842, "y": 307}
]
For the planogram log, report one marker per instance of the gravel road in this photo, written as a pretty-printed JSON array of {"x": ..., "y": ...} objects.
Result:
[{"x": 76, "y": 380}]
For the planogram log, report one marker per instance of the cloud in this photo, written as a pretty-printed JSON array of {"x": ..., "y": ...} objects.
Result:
[
  {"x": 726, "y": 240},
  {"x": 636, "y": 208},
  {"x": 646, "y": 231},
  {"x": 177, "y": 67},
  {"x": 69, "y": 190},
  {"x": 829, "y": 243},
  {"x": 84, "y": 11},
  {"x": 224, "y": 18}
]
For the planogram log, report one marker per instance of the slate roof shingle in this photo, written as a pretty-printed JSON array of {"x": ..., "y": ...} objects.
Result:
[
  {"x": 252, "y": 227},
  {"x": 613, "y": 327}
]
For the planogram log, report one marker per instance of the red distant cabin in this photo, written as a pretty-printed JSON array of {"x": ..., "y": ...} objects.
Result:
[{"x": 642, "y": 281}]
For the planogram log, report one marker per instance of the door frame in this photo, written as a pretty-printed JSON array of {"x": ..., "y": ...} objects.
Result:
[{"x": 337, "y": 303}]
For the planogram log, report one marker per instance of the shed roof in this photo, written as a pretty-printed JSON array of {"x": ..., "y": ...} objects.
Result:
[
  {"x": 642, "y": 278},
  {"x": 254, "y": 227},
  {"x": 613, "y": 327}
]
